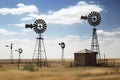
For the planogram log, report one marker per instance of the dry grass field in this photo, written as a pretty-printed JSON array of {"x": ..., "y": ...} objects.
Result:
[{"x": 58, "y": 71}]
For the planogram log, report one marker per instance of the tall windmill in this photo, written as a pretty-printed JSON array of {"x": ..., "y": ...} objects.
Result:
[
  {"x": 94, "y": 19},
  {"x": 39, "y": 26}
]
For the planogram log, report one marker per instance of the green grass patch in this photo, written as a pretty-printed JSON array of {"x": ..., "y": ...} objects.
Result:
[{"x": 30, "y": 67}]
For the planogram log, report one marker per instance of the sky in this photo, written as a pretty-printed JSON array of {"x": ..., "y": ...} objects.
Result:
[{"x": 63, "y": 25}]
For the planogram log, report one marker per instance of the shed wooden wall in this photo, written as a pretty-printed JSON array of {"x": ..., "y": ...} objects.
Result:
[{"x": 85, "y": 59}]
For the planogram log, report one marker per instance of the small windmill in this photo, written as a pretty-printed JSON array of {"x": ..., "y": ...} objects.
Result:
[
  {"x": 19, "y": 56},
  {"x": 62, "y": 44},
  {"x": 11, "y": 53}
]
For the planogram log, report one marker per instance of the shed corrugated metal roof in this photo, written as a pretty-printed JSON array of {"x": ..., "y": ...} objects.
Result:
[{"x": 85, "y": 51}]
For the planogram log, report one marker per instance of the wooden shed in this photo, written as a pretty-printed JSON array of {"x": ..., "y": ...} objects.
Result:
[{"x": 85, "y": 58}]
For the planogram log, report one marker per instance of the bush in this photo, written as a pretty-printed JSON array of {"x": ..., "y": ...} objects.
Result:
[{"x": 29, "y": 68}]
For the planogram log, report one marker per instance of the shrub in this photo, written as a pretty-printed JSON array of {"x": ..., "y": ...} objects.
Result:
[{"x": 29, "y": 68}]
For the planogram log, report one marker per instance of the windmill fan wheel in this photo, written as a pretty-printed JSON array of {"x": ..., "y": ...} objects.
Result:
[
  {"x": 94, "y": 18},
  {"x": 40, "y": 26}
]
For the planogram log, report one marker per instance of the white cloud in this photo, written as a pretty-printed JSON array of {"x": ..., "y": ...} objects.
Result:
[
  {"x": 22, "y": 25},
  {"x": 6, "y": 32},
  {"x": 69, "y": 15},
  {"x": 20, "y": 5},
  {"x": 26, "y": 30},
  {"x": 26, "y": 19},
  {"x": 21, "y": 9},
  {"x": 17, "y": 41},
  {"x": 19, "y": 25},
  {"x": 109, "y": 34},
  {"x": 109, "y": 43},
  {"x": 23, "y": 32}
]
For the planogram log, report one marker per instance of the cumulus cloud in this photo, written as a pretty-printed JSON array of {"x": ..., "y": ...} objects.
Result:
[
  {"x": 69, "y": 15},
  {"x": 6, "y": 32},
  {"x": 25, "y": 31},
  {"x": 22, "y": 25},
  {"x": 20, "y": 9},
  {"x": 64, "y": 16},
  {"x": 108, "y": 37},
  {"x": 19, "y": 25},
  {"x": 26, "y": 19},
  {"x": 17, "y": 41},
  {"x": 109, "y": 34},
  {"x": 109, "y": 42}
]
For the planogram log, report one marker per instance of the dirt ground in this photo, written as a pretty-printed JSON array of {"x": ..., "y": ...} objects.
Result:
[{"x": 59, "y": 72}]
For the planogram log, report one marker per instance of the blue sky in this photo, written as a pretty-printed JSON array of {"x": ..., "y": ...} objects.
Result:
[{"x": 63, "y": 24}]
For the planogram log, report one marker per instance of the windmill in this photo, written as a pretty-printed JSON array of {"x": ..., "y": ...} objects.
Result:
[
  {"x": 94, "y": 19},
  {"x": 19, "y": 57},
  {"x": 62, "y": 44},
  {"x": 11, "y": 53},
  {"x": 39, "y": 26}
]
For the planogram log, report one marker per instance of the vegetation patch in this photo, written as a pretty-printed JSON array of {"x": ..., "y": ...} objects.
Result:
[{"x": 30, "y": 67}]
